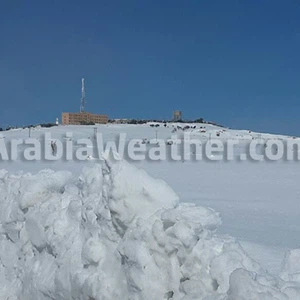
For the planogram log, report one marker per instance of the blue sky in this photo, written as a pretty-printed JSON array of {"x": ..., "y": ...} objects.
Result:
[{"x": 233, "y": 62}]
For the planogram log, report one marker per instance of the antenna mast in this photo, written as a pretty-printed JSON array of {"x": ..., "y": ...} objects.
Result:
[{"x": 82, "y": 103}]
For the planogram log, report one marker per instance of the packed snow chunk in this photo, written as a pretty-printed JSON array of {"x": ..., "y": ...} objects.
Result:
[
  {"x": 38, "y": 187},
  {"x": 231, "y": 258},
  {"x": 291, "y": 265},
  {"x": 91, "y": 180},
  {"x": 3, "y": 174},
  {"x": 244, "y": 285},
  {"x": 133, "y": 193},
  {"x": 93, "y": 251},
  {"x": 207, "y": 217},
  {"x": 117, "y": 233}
]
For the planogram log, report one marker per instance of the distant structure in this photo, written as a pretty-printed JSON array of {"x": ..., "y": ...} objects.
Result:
[
  {"x": 82, "y": 117},
  {"x": 120, "y": 121},
  {"x": 82, "y": 103},
  {"x": 177, "y": 115},
  {"x": 56, "y": 122}
]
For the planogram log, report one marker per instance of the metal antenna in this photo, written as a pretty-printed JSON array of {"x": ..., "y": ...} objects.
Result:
[{"x": 82, "y": 103}]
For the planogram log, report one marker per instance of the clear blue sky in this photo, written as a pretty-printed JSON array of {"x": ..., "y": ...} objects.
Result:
[{"x": 233, "y": 62}]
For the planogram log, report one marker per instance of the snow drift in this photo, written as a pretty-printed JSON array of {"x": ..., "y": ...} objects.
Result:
[{"x": 117, "y": 233}]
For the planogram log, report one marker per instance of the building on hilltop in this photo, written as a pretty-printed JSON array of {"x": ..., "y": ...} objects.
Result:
[
  {"x": 177, "y": 115},
  {"x": 83, "y": 118}
]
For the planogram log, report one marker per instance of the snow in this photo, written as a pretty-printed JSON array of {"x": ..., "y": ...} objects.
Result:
[{"x": 111, "y": 231}]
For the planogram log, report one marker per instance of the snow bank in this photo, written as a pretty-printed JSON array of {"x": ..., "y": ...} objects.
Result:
[{"x": 117, "y": 233}]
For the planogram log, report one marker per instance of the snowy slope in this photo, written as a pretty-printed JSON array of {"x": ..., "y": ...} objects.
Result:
[{"x": 258, "y": 202}]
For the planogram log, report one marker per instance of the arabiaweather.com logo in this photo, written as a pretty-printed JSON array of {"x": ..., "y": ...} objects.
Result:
[{"x": 175, "y": 149}]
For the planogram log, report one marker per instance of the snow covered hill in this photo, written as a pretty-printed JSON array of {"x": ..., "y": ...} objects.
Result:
[
  {"x": 49, "y": 217},
  {"x": 110, "y": 131}
]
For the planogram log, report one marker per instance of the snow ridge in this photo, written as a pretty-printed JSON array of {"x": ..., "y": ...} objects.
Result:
[{"x": 117, "y": 233}]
